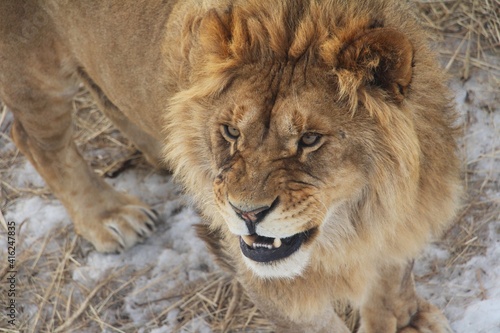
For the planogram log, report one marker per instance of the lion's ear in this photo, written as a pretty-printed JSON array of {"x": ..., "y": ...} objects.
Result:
[
  {"x": 215, "y": 35},
  {"x": 381, "y": 57}
]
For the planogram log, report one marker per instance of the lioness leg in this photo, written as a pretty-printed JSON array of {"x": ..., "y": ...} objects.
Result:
[
  {"x": 111, "y": 221},
  {"x": 393, "y": 306},
  {"x": 37, "y": 83}
]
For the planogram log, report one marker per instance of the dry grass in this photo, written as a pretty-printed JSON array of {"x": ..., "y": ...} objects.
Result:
[
  {"x": 220, "y": 301},
  {"x": 471, "y": 27},
  {"x": 52, "y": 301}
]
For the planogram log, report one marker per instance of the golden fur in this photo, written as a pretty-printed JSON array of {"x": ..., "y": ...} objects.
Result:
[{"x": 333, "y": 113}]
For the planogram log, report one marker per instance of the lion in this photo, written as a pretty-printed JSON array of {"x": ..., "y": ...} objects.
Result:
[{"x": 316, "y": 138}]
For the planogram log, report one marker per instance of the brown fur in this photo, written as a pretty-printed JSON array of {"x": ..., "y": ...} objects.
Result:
[{"x": 380, "y": 183}]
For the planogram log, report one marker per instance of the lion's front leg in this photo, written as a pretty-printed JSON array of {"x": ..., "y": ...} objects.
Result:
[
  {"x": 392, "y": 306},
  {"x": 110, "y": 220},
  {"x": 428, "y": 319},
  {"x": 297, "y": 305},
  {"x": 324, "y": 323}
]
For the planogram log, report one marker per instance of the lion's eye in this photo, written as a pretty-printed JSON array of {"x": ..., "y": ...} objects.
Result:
[
  {"x": 309, "y": 139},
  {"x": 230, "y": 132}
]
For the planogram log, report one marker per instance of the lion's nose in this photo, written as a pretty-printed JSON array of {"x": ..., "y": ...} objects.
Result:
[{"x": 254, "y": 216}]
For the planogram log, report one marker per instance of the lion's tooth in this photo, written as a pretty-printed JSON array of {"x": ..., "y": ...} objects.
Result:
[
  {"x": 277, "y": 242},
  {"x": 249, "y": 239}
]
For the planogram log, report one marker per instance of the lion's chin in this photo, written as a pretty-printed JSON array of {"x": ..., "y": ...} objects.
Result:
[{"x": 287, "y": 268}]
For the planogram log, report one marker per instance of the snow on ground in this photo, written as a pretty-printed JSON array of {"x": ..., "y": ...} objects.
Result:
[{"x": 469, "y": 292}]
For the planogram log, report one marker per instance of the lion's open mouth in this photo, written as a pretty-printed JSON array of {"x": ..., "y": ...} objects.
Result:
[{"x": 265, "y": 249}]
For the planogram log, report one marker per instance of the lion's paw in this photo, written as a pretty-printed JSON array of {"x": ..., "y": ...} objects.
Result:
[
  {"x": 120, "y": 228},
  {"x": 428, "y": 319}
]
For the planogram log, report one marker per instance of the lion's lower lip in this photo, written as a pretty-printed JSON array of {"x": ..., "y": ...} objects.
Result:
[{"x": 265, "y": 251}]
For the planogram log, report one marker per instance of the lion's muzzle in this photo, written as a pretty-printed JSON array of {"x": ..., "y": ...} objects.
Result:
[
  {"x": 265, "y": 249},
  {"x": 254, "y": 216}
]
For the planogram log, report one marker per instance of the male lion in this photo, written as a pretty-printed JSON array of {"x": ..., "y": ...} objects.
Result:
[{"x": 315, "y": 136}]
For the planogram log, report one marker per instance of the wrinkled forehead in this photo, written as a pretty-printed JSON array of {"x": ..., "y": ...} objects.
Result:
[{"x": 290, "y": 110}]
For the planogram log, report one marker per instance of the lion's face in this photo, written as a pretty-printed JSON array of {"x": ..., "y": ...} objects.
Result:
[
  {"x": 289, "y": 132},
  {"x": 287, "y": 157}
]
